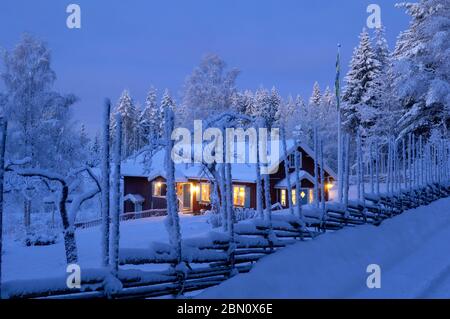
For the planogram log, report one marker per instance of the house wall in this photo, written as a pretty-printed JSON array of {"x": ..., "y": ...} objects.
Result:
[
  {"x": 307, "y": 165},
  {"x": 157, "y": 202},
  {"x": 197, "y": 204},
  {"x": 252, "y": 191}
]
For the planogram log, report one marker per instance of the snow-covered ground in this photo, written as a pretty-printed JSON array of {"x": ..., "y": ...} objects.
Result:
[
  {"x": 21, "y": 262},
  {"x": 412, "y": 250}
]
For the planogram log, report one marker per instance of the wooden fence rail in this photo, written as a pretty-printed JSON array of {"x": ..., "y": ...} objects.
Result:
[
  {"x": 124, "y": 217},
  {"x": 208, "y": 262}
]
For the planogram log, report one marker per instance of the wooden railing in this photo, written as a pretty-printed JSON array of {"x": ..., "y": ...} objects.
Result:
[
  {"x": 209, "y": 261},
  {"x": 124, "y": 217}
]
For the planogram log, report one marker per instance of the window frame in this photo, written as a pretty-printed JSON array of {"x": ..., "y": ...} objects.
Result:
[
  {"x": 239, "y": 187},
  {"x": 154, "y": 188},
  {"x": 283, "y": 200},
  {"x": 202, "y": 184}
]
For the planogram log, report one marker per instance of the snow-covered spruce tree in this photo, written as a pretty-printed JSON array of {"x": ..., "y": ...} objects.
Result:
[
  {"x": 261, "y": 103},
  {"x": 94, "y": 151},
  {"x": 208, "y": 90},
  {"x": 311, "y": 114},
  {"x": 322, "y": 113},
  {"x": 328, "y": 98},
  {"x": 243, "y": 102},
  {"x": 326, "y": 123},
  {"x": 127, "y": 110},
  {"x": 303, "y": 127},
  {"x": 266, "y": 106},
  {"x": 381, "y": 112},
  {"x": 364, "y": 68},
  {"x": 381, "y": 49},
  {"x": 421, "y": 68},
  {"x": 151, "y": 124},
  {"x": 288, "y": 116},
  {"x": 316, "y": 96}
]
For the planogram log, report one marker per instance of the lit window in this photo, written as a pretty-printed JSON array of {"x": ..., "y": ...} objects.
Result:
[
  {"x": 293, "y": 197},
  {"x": 311, "y": 196},
  {"x": 283, "y": 197},
  {"x": 239, "y": 195},
  {"x": 205, "y": 189},
  {"x": 159, "y": 189}
]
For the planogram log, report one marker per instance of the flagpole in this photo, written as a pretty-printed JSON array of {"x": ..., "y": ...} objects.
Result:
[{"x": 338, "y": 105}]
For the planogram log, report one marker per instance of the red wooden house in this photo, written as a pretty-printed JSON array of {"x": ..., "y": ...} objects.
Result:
[{"x": 144, "y": 187}]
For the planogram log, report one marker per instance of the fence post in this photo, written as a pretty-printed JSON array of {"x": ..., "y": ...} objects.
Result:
[{"x": 3, "y": 128}]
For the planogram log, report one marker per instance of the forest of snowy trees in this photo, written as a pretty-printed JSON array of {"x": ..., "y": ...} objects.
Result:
[{"x": 387, "y": 92}]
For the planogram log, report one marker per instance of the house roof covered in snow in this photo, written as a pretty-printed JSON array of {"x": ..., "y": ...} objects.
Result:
[{"x": 134, "y": 198}]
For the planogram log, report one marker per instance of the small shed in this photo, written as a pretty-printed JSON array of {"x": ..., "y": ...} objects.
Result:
[{"x": 136, "y": 199}]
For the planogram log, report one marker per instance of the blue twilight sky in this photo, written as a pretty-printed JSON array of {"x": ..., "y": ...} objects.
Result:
[{"x": 134, "y": 44}]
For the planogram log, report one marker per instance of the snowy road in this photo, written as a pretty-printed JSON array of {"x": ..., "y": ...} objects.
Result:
[{"x": 412, "y": 250}]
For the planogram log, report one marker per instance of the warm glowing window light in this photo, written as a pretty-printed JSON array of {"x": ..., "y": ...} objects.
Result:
[
  {"x": 283, "y": 197},
  {"x": 239, "y": 195},
  {"x": 205, "y": 192}
]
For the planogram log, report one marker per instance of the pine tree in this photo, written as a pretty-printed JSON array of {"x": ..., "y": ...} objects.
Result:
[
  {"x": 127, "y": 110},
  {"x": 364, "y": 68},
  {"x": 381, "y": 113},
  {"x": 167, "y": 101},
  {"x": 275, "y": 102},
  {"x": 266, "y": 105},
  {"x": 329, "y": 99},
  {"x": 94, "y": 151},
  {"x": 288, "y": 115},
  {"x": 422, "y": 66},
  {"x": 303, "y": 128},
  {"x": 316, "y": 96},
  {"x": 151, "y": 118},
  {"x": 381, "y": 48},
  {"x": 242, "y": 102}
]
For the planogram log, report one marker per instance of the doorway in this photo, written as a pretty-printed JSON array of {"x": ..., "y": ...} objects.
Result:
[{"x": 185, "y": 197}]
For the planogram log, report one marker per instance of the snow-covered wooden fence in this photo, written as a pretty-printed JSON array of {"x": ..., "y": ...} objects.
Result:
[
  {"x": 207, "y": 259},
  {"x": 124, "y": 217}
]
